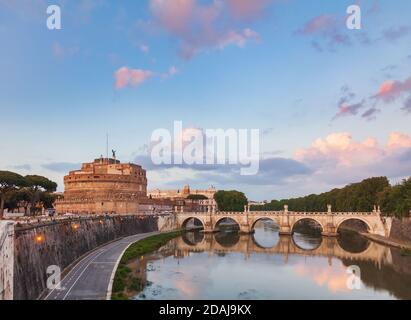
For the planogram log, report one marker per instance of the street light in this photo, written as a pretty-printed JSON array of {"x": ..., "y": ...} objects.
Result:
[{"x": 39, "y": 238}]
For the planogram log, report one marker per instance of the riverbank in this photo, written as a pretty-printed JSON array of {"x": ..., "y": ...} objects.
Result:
[
  {"x": 403, "y": 245},
  {"x": 125, "y": 282}
]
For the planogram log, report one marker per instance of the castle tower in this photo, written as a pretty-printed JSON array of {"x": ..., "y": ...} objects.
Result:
[{"x": 104, "y": 186}]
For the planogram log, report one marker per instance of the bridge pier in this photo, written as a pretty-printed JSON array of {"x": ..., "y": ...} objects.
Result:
[
  {"x": 209, "y": 230},
  {"x": 285, "y": 227},
  {"x": 330, "y": 231},
  {"x": 246, "y": 229},
  {"x": 285, "y": 231}
]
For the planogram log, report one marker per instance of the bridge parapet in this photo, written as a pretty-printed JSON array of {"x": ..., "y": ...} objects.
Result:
[{"x": 230, "y": 213}]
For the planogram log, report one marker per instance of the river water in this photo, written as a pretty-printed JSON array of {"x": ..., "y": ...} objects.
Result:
[{"x": 266, "y": 265}]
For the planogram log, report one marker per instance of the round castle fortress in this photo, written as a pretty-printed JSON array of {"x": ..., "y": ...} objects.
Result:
[{"x": 103, "y": 186}]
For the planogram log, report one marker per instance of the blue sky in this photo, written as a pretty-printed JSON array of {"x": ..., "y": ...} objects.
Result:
[{"x": 333, "y": 104}]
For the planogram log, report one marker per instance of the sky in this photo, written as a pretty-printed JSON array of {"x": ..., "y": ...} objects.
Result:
[{"x": 333, "y": 105}]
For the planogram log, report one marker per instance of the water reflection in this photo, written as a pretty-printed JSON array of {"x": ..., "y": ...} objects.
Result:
[
  {"x": 192, "y": 238},
  {"x": 266, "y": 233},
  {"x": 352, "y": 242},
  {"x": 307, "y": 234},
  {"x": 227, "y": 265},
  {"x": 227, "y": 239}
]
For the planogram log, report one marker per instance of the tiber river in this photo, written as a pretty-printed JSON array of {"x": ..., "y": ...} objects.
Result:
[{"x": 264, "y": 265}]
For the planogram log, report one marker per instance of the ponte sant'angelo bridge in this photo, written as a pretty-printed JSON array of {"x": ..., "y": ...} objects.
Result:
[{"x": 286, "y": 220}]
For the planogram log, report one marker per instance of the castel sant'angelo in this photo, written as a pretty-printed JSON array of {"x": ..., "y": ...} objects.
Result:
[
  {"x": 108, "y": 186},
  {"x": 104, "y": 186}
]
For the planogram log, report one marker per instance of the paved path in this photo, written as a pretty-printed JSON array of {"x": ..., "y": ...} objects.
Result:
[{"x": 90, "y": 278}]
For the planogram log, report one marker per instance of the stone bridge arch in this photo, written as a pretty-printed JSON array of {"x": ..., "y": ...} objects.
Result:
[
  {"x": 228, "y": 217},
  {"x": 296, "y": 220},
  {"x": 183, "y": 223},
  {"x": 362, "y": 219},
  {"x": 254, "y": 221}
]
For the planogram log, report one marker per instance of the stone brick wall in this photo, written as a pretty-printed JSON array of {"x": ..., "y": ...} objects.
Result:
[
  {"x": 62, "y": 243},
  {"x": 6, "y": 260},
  {"x": 97, "y": 206},
  {"x": 401, "y": 229}
]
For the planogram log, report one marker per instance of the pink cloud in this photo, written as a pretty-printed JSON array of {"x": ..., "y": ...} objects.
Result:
[
  {"x": 171, "y": 72},
  {"x": 398, "y": 140},
  {"x": 389, "y": 91},
  {"x": 338, "y": 158},
  {"x": 244, "y": 9},
  {"x": 175, "y": 15},
  {"x": 125, "y": 77},
  {"x": 322, "y": 23},
  {"x": 329, "y": 29},
  {"x": 339, "y": 148},
  {"x": 392, "y": 89},
  {"x": 238, "y": 38},
  {"x": 198, "y": 26},
  {"x": 131, "y": 77},
  {"x": 346, "y": 109}
]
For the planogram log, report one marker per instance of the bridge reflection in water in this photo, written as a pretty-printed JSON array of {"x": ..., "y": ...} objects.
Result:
[
  {"x": 225, "y": 242},
  {"x": 266, "y": 265}
]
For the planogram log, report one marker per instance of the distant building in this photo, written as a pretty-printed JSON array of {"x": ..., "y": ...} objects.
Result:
[
  {"x": 257, "y": 203},
  {"x": 103, "y": 186},
  {"x": 181, "y": 193},
  {"x": 153, "y": 206},
  {"x": 182, "y": 201}
]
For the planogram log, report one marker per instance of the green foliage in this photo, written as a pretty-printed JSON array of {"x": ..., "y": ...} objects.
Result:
[
  {"x": 396, "y": 200},
  {"x": 9, "y": 180},
  {"x": 405, "y": 252},
  {"x": 119, "y": 296},
  {"x": 147, "y": 245},
  {"x": 197, "y": 197},
  {"x": 39, "y": 182},
  {"x": 123, "y": 279},
  {"x": 360, "y": 196},
  {"x": 47, "y": 199},
  {"x": 230, "y": 200},
  {"x": 16, "y": 190},
  {"x": 17, "y": 197}
]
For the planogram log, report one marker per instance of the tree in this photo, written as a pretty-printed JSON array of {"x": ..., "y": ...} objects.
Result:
[
  {"x": 47, "y": 199},
  {"x": 230, "y": 200},
  {"x": 9, "y": 181},
  {"x": 360, "y": 196},
  {"x": 18, "y": 198},
  {"x": 396, "y": 200},
  {"x": 37, "y": 185}
]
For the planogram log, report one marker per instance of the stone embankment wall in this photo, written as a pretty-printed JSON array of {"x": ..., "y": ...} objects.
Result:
[
  {"x": 401, "y": 230},
  {"x": 6, "y": 260},
  {"x": 61, "y": 243}
]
